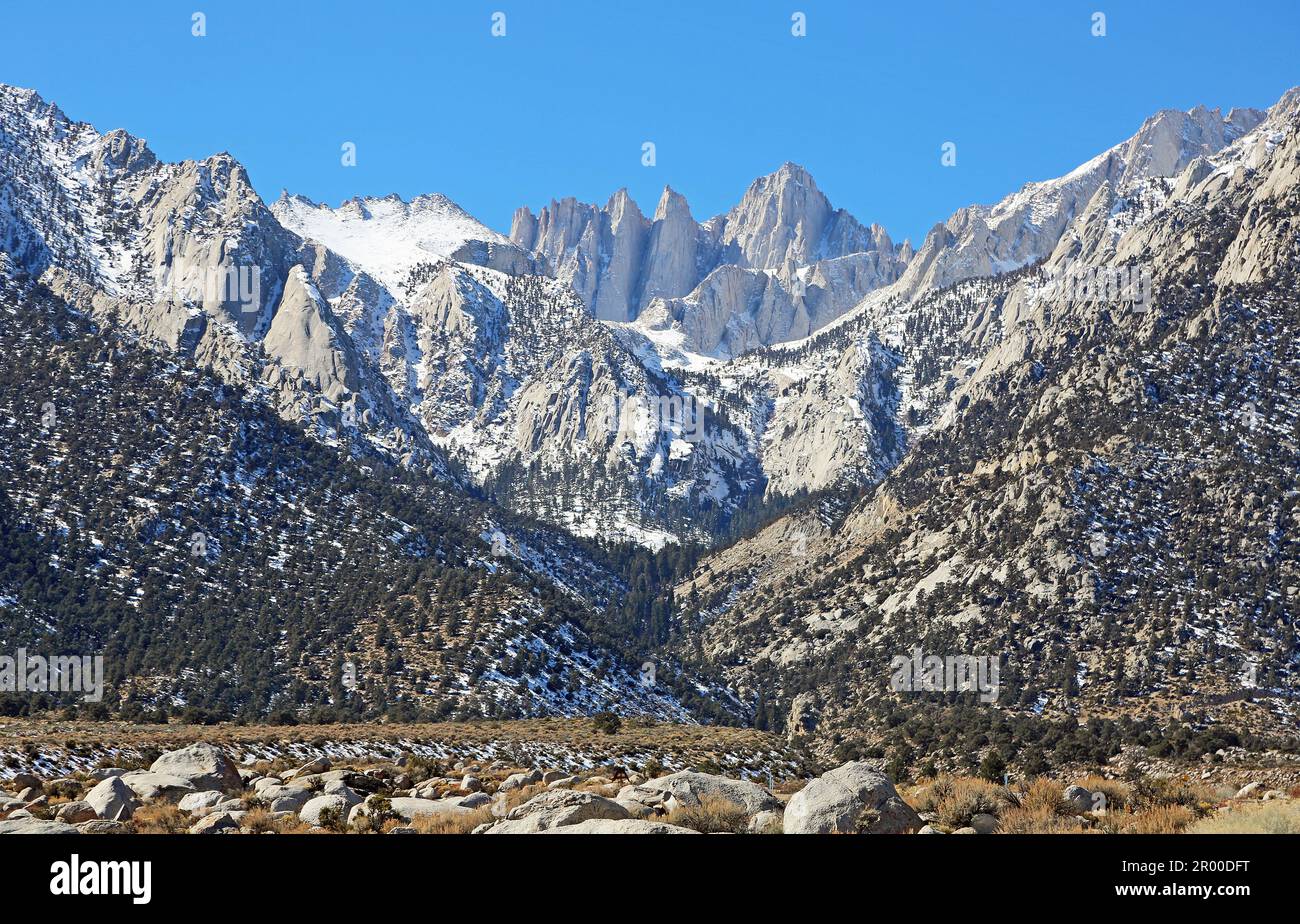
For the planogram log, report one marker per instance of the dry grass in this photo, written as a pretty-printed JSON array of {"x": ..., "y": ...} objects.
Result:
[
  {"x": 1273, "y": 817},
  {"x": 1039, "y": 819},
  {"x": 711, "y": 816},
  {"x": 1161, "y": 819},
  {"x": 160, "y": 818},
  {"x": 259, "y": 821},
  {"x": 451, "y": 822},
  {"x": 1044, "y": 796}
]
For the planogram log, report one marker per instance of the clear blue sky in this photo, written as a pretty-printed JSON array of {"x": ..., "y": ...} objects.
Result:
[{"x": 561, "y": 105}]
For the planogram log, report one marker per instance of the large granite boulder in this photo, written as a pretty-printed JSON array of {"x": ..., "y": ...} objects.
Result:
[
  {"x": 112, "y": 799},
  {"x": 852, "y": 799},
  {"x": 556, "y": 808},
  {"x": 203, "y": 765}
]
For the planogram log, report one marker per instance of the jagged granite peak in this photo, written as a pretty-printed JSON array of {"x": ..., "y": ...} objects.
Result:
[
  {"x": 784, "y": 221},
  {"x": 622, "y": 264}
]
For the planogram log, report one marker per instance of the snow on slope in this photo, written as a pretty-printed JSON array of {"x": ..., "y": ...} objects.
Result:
[{"x": 385, "y": 237}]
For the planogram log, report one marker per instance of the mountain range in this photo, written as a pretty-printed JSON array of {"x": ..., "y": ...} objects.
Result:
[{"x": 768, "y": 451}]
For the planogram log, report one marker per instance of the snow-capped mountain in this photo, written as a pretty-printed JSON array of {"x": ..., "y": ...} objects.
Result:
[
  {"x": 388, "y": 237},
  {"x": 784, "y": 327}
]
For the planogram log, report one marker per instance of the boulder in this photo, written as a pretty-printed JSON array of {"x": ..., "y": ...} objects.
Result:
[
  {"x": 550, "y": 776},
  {"x": 408, "y": 809},
  {"x": 984, "y": 823},
  {"x": 151, "y": 786},
  {"x": 103, "y": 773},
  {"x": 476, "y": 800},
  {"x": 520, "y": 780},
  {"x": 850, "y": 799},
  {"x": 313, "y": 766},
  {"x": 766, "y": 822},
  {"x": 203, "y": 765},
  {"x": 285, "y": 798},
  {"x": 339, "y": 788},
  {"x": 1079, "y": 798},
  {"x": 215, "y": 823},
  {"x": 76, "y": 812},
  {"x": 556, "y": 808},
  {"x": 267, "y": 781},
  {"x": 564, "y": 782},
  {"x": 20, "y": 781},
  {"x": 199, "y": 803},
  {"x": 1249, "y": 790},
  {"x": 615, "y": 826},
  {"x": 471, "y": 783},
  {"x": 29, "y": 825},
  {"x": 929, "y": 829},
  {"x": 113, "y": 799},
  {"x": 689, "y": 789},
  {"x": 102, "y": 826}
]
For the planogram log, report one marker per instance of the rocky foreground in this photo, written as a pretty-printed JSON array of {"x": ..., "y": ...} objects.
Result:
[{"x": 200, "y": 789}]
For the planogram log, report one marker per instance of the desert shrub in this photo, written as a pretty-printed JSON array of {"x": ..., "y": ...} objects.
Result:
[
  {"x": 970, "y": 797},
  {"x": 711, "y": 816},
  {"x": 420, "y": 768},
  {"x": 160, "y": 818},
  {"x": 992, "y": 767},
  {"x": 1044, "y": 795},
  {"x": 1156, "y": 792},
  {"x": 606, "y": 722},
  {"x": 928, "y": 798},
  {"x": 333, "y": 818}
]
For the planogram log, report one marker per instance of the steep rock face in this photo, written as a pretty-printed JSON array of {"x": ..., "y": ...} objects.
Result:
[
  {"x": 304, "y": 338},
  {"x": 671, "y": 261},
  {"x": 674, "y": 273},
  {"x": 624, "y": 242}
]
